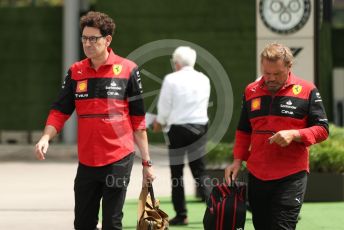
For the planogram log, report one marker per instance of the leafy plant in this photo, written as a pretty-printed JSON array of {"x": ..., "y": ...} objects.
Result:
[
  {"x": 328, "y": 156},
  {"x": 220, "y": 153}
]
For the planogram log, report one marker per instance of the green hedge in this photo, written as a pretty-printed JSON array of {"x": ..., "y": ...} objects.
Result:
[
  {"x": 30, "y": 65},
  {"x": 328, "y": 156},
  {"x": 219, "y": 154}
]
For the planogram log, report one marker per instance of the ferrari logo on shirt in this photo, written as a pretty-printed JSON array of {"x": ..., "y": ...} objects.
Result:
[
  {"x": 297, "y": 89},
  {"x": 117, "y": 69},
  {"x": 255, "y": 104},
  {"x": 81, "y": 87}
]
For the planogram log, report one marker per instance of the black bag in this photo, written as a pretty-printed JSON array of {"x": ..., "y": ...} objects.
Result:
[{"x": 226, "y": 207}]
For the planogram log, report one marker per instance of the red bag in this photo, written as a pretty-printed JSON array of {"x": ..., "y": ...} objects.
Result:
[{"x": 226, "y": 207}]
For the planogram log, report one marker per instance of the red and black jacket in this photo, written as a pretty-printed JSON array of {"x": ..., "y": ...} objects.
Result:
[
  {"x": 297, "y": 105},
  {"x": 109, "y": 107}
]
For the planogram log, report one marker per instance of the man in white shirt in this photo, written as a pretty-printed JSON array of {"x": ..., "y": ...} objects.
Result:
[{"x": 182, "y": 113}]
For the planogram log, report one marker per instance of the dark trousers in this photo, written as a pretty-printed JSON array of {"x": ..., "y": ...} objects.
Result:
[
  {"x": 189, "y": 140},
  {"x": 108, "y": 183},
  {"x": 276, "y": 204}
]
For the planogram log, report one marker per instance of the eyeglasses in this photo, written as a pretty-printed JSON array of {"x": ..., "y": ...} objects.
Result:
[{"x": 92, "y": 39}]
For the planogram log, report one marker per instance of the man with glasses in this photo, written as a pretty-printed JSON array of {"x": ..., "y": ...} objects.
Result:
[
  {"x": 281, "y": 116},
  {"x": 106, "y": 92}
]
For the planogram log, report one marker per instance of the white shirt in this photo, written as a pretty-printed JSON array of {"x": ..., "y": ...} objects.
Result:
[{"x": 184, "y": 98}]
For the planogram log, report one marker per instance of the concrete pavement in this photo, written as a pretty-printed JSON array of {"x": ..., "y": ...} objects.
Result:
[{"x": 39, "y": 195}]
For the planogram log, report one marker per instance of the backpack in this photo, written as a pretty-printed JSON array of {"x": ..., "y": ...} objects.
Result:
[{"x": 226, "y": 207}]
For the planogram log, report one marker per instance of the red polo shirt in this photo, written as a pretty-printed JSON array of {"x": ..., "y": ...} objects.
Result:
[
  {"x": 109, "y": 107},
  {"x": 297, "y": 105}
]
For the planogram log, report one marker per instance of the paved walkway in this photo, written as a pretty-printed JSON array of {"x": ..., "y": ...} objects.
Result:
[{"x": 39, "y": 195}]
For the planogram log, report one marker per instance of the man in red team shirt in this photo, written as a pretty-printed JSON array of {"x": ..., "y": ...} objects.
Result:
[
  {"x": 281, "y": 116},
  {"x": 106, "y": 92}
]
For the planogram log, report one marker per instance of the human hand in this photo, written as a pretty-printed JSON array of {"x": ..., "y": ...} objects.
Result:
[
  {"x": 156, "y": 127},
  {"x": 148, "y": 175},
  {"x": 284, "y": 137},
  {"x": 41, "y": 147},
  {"x": 232, "y": 170}
]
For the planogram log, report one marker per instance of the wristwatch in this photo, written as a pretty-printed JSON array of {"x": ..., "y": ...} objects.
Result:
[
  {"x": 147, "y": 163},
  {"x": 284, "y": 16}
]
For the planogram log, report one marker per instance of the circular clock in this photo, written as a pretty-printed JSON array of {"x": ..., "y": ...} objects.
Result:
[{"x": 284, "y": 16}]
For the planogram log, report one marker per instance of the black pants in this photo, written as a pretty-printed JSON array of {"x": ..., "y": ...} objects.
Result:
[
  {"x": 108, "y": 183},
  {"x": 189, "y": 140},
  {"x": 276, "y": 204}
]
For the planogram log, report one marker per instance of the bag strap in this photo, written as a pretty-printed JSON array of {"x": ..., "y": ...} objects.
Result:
[
  {"x": 232, "y": 181},
  {"x": 151, "y": 192}
]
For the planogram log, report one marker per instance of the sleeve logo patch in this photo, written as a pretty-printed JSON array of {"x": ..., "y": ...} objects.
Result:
[
  {"x": 255, "y": 104},
  {"x": 297, "y": 89},
  {"x": 81, "y": 86},
  {"x": 117, "y": 69},
  {"x": 139, "y": 79}
]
